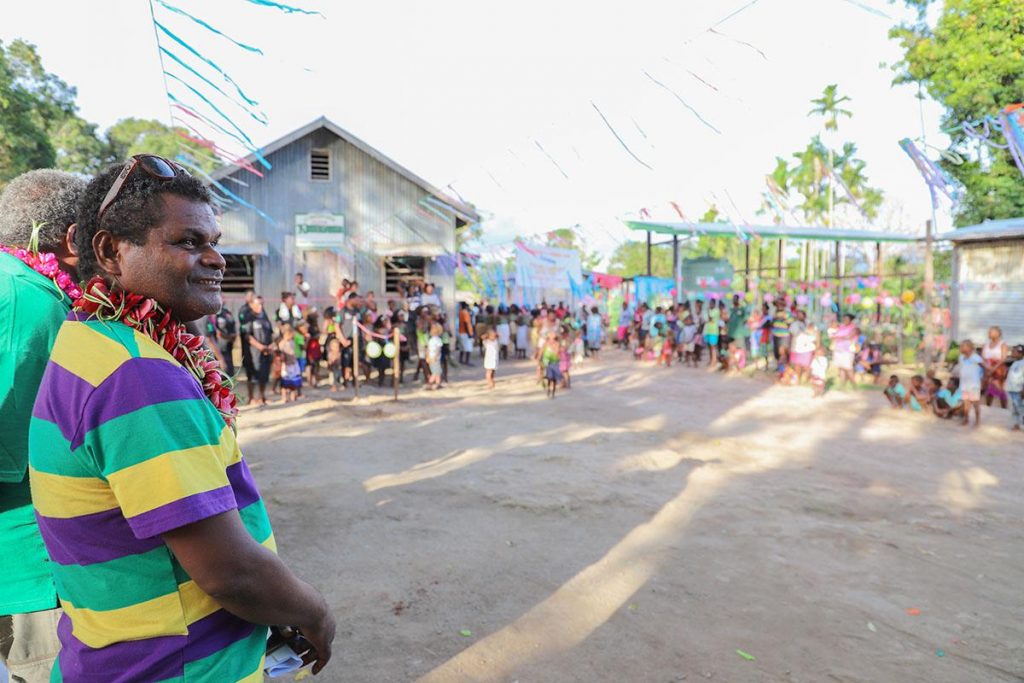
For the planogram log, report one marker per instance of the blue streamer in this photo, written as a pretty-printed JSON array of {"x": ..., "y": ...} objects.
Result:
[
  {"x": 261, "y": 117},
  {"x": 185, "y": 161},
  {"x": 426, "y": 205},
  {"x": 209, "y": 62},
  {"x": 209, "y": 28},
  {"x": 245, "y": 143},
  {"x": 285, "y": 8},
  {"x": 212, "y": 106}
]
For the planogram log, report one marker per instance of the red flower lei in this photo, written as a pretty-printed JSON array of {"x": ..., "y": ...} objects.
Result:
[
  {"x": 149, "y": 318},
  {"x": 46, "y": 264}
]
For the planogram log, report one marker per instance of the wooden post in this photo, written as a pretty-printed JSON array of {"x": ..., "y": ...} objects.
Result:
[
  {"x": 355, "y": 357},
  {"x": 746, "y": 259},
  {"x": 929, "y": 291},
  {"x": 780, "y": 273},
  {"x": 839, "y": 276},
  {"x": 396, "y": 361},
  {"x": 648, "y": 253},
  {"x": 677, "y": 275},
  {"x": 878, "y": 274}
]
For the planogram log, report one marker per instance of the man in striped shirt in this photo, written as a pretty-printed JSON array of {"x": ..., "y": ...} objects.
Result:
[{"x": 161, "y": 548}]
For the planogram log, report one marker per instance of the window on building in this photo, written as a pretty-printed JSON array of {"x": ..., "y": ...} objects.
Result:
[
  {"x": 403, "y": 270},
  {"x": 320, "y": 164},
  {"x": 240, "y": 273}
]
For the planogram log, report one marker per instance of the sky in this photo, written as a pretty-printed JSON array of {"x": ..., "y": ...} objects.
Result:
[{"x": 504, "y": 101}]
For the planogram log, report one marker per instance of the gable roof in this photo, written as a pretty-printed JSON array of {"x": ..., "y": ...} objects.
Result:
[{"x": 463, "y": 211}]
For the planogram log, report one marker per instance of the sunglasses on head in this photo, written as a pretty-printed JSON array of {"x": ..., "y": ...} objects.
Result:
[{"x": 154, "y": 166}]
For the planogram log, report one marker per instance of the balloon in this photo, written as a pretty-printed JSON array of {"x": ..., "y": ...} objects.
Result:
[
  {"x": 855, "y": 298},
  {"x": 867, "y": 302},
  {"x": 802, "y": 299},
  {"x": 768, "y": 298},
  {"x": 907, "y": 297},
  {"x": 748, "y": 297},
  {"x": 888, "y": 302},
  {"x": 373, "y": 350},
  {"x": 389, "y": 350},
  {"x": 726, "y": 283},
  {"x": 826, "y": 299}
]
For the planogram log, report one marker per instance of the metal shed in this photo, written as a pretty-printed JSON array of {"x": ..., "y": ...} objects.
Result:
[
  {"x": 988, "y": 279},
  {"x": 334, "y": 207}
]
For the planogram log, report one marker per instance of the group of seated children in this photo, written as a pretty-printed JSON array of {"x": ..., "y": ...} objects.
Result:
[{"x": 962, "y": 393}]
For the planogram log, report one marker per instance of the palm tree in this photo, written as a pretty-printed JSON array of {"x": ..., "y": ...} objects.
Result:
[{"x": 828, "y": 106}]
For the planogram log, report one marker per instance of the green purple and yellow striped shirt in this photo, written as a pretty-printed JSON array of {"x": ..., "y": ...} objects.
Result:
[{"x": 124, "y": 447}]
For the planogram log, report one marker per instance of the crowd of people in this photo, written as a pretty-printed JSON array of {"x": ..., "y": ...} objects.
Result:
[{"x": 835, "y": 349}]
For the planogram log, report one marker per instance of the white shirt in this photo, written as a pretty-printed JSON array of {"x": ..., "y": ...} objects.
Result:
[
  {"x": 490, "y": 354},
  {"x": 971, "y": 373},
  {"x": 1015, "y": 377},
  {"x": 434, "y": 345},
  {"x": 819, "y": 367}
]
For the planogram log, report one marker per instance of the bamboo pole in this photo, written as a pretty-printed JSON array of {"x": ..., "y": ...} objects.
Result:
[
  {"x": 355, "y": 357},
  {"x": 396, "y": 361}
]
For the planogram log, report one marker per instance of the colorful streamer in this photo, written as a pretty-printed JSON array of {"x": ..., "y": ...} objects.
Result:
[
  {"x": 211, "y": 29},
  {"x": 683, "y": 102},
  {"x": 621, "y": 141},
  {"x": 209, "y": 62},
  {"x": 288, "y": 9},
  {"x": 551, "y": 159},
  {"x": 259, "y": 116}
]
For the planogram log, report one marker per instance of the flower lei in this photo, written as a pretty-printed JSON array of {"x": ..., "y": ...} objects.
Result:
[
  {"x": 45, "y": 263},
  {"x": 148, "y": 317}
]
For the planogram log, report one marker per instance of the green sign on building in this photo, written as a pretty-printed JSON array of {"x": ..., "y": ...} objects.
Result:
[{"x": 320, "y": 230}]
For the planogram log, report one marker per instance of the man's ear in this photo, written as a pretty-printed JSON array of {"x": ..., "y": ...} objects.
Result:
[
  {"x": 69, "y": 239},
  {"x": 105, "y": 246}
]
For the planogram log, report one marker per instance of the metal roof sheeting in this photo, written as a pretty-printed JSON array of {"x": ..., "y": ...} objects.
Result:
[
  {"x": 772, "y": 232},
  {"x": 1006, "y": 229}
]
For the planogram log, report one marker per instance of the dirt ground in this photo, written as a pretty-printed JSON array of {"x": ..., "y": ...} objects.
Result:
[{"x": 646, "y": 526}]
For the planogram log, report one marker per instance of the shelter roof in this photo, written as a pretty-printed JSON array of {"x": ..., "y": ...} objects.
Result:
[
  {"x": 772, "y": 232},
  {"x": 1009, "y": 228}
]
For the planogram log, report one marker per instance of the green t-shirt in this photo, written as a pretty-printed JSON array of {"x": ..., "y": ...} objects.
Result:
[
  {"x": 32, "y": 309},
  {"x": 738, "y": 322}
]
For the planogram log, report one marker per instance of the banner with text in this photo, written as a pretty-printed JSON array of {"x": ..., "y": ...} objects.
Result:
[{"x": 547, "y": 267}]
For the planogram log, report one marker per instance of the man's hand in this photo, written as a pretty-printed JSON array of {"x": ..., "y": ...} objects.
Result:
[{"x": 320, "y": 636}]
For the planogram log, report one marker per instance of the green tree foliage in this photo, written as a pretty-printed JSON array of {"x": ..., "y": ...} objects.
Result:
[
  {"x": 972, "y": 62},
  {"x": 32, "y": 105},
  {"x": 805, "y": 181},
  {"x": 630, "y": 258},
  {"x": 569, "y": 238},
  {"x": 40, "y": 127}
]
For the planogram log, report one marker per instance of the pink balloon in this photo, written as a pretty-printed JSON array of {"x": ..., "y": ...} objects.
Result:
[
  {"x": 826, "y": 300},
  {"x": 769, "y": 298},
  {"x": 802, "y": 299}
]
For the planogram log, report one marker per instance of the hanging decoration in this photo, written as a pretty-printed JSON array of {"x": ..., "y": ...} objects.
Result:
[
  {"x": 619, "y": 138},
  {"x": 210, "y": 111},
  {"x": 936, "y": 178}
]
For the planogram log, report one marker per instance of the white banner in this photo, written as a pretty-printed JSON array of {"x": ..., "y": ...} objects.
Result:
[{"x": 547, "y": 267}]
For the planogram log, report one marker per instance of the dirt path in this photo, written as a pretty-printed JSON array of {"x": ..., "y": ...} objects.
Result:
[{"x": 647, "y": 525}]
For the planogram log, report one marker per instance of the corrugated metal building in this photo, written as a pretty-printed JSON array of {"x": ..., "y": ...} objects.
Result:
[
  {"x": 333, "y": 207},
  {"x": 988, "y": 280}
]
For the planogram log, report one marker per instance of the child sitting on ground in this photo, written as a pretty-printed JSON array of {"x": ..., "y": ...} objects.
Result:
[
  {"x": 735, "y": 359},
  {"x": 919, "y": 394},
  {"x": 786, "y": 373},
  {"x": 895, "y": 392},
  {"x": 947, "y": 401}
]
